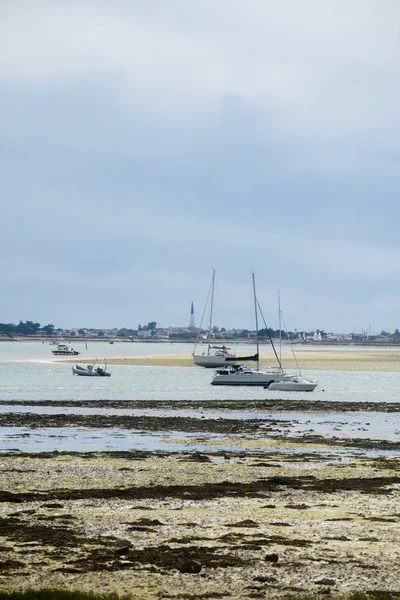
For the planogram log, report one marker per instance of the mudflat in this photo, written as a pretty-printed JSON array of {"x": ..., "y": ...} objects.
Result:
[{"x": 200, "y": 524}]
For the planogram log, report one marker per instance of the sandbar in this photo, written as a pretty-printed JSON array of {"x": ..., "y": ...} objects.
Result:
[{"x": 386, "y": 361}]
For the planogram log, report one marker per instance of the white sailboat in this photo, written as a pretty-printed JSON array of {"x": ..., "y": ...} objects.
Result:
[
  {"x": 248, "y": 376},
  {"x": 290, "y": 383},
  {"x": 215, "y": 356}
]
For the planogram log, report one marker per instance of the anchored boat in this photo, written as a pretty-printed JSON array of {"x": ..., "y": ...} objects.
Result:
[
  {"x": 290, "y": 383},
  {"x": 244, "y": 375},
  {"x": 90, "y": 371},
  {"x": 293, "y": 383},
  {"x": 215, "y": 356},
  {"x": 63, "y": 349}
]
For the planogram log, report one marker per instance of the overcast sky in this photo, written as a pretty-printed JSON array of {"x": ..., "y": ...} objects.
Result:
[{"x": 145, "y": 142}]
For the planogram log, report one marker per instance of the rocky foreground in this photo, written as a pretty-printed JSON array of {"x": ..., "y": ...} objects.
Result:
[{"x": 200, "y": 525}]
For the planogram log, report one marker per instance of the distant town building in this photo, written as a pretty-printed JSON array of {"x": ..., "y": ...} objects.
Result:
[{"x": 144, "y": 333}]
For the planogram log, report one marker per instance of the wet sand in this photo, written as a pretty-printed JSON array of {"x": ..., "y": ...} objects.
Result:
[
  {"x": 199, "y": 525},
  {"x": 278, "y": 516},
  {"x": 386, "y": 361}
]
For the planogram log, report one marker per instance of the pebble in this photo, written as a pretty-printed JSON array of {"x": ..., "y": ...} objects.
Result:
[
  {"x": 190, "y": 566},
  {"x": 272, "y": 558}
]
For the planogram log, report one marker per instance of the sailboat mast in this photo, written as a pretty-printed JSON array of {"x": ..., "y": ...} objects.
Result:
[
  {"x": 211, "y": 310},
  {"x": 256, "y": 315},
  {"x": 280, "y": 328}
]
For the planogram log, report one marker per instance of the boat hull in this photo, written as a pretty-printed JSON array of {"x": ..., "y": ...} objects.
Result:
[
  {"x": 87, "y": 373},
  {"x": 210, "y": 361},
  {"x": 247, "y": 379},
  {"x": 291, "y": 386},
  {"x": 65, "y": 352}
]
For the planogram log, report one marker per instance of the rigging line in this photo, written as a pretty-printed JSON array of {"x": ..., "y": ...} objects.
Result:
[
  {"x": 211, "y": 311},
  {"x": 269, "y": 335},
  {"x": 291, "y": 346},
  {"x": 280, "y": 327},
  {"x": 256, "y": 316},
  {"x": 202, "y": 318}
]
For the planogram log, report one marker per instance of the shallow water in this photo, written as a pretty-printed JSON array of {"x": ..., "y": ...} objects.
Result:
[
  {"x": 342, "y": 425},
  {"x": 81, "y": 439},
  {"x": 29, "y": 371}
]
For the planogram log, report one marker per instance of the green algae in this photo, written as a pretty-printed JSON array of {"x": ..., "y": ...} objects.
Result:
[{"x": 318, "y": 516}]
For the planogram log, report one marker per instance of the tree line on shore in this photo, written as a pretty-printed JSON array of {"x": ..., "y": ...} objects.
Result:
[
  {"x": 26, "y": 328},
  {"x": 33, "y": 328}
]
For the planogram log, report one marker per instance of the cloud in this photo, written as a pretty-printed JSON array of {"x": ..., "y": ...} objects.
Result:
[
  {"x": 315, "y": 69},
  {"x": 146, "y": 142},
  {"x": 358, "y": 261}
]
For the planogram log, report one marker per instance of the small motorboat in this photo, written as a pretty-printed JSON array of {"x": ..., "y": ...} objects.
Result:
[
  {"x": 90, "y": 371},
  {"x": 293, "y": 383},
  {"x": 63, "y": 349}
]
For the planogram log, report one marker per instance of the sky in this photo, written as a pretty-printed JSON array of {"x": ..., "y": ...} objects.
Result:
[{"x": 144, "y": 143}]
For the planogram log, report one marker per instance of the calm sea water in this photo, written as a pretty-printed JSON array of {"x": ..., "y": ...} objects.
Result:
[{"x": 29, "y": 371}]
